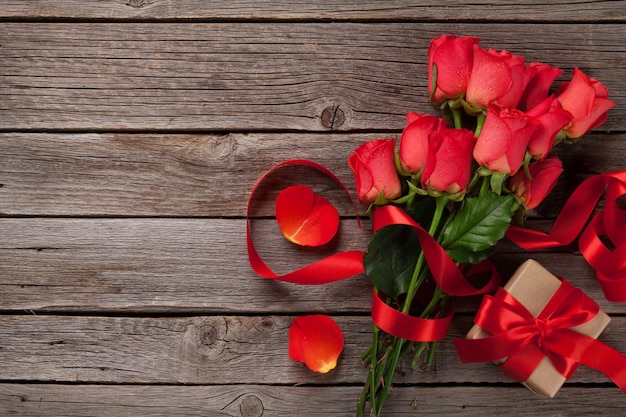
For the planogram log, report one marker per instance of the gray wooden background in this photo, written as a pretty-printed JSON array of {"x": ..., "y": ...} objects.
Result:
[{"x": 131, "y": 134}]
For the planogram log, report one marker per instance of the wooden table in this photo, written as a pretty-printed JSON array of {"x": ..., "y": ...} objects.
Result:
[{"x": 131, "y": 134}]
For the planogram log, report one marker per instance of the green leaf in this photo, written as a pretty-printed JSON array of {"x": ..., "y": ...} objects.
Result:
[
  {"x": 391, "y": 258},
  {"x": 393, "y": 252},
  {"x": 477, "y": 226}
]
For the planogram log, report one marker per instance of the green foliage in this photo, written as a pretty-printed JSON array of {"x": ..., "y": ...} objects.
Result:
[
  {"x": 391, "y": 258},
  {"x": 393, "y": 252},
  {"x": 477, "y": 226}
]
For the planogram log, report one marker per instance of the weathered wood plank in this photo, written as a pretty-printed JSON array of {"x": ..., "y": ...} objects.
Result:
[
  {"x": 277, "y": 401},
  {"x": 246, "y": 77},
  {"x": 217, "y": 350},
  {"x": 208, "y": 175},
  {"x": 532, "y": 10},
  {"x": 197, "y": 265},
  {"x": 156, "y": 265}
]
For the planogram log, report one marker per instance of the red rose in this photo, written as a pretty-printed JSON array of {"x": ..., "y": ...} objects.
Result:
[
  {"x": 491, "y": 77},
  {"x": 374, "y": 170},
  {"x": 551, "y": 119},
  {"x": 520, "y": 76},
  {"x": 541, "y": 78},
  {"x": 414, "y": 142},
  {"x": 448, "y": 167},
  {"x": 544, "y": 175},
  {"x": 587, "y": 100},
  {"x": 503, "y": 139},
  {"x": 449, "y": 66}
]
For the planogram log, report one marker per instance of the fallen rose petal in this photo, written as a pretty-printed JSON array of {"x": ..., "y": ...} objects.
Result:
[
  {"x": 317, "y": 341},
  {"x": 306, "y": 218}
]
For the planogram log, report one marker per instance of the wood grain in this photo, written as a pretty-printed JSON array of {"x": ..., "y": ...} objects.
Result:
[
  {"x": 131, "y": 134},
  {"x": 280, "y": 401},
  {"x": 218, "y": 350},
  {"x": 258, "y": 76},
  {"x": 65, "y": 174},
  {"x": 198, "y": 265},
  {"x": 533, "y": 10}
]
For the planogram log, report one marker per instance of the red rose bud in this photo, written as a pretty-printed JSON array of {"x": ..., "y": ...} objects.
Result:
[
  {"x": 544, "y": 175},
  {"x": 374, "y": 171},
  {"x": 317, "y": 341},
  {"x": 449, "y": 66},
  {"x": 587, "y": 100},
  {"x": 448, "y": 167},
  {"x": 491, "y": 77},
  {"x": 414, "y": 142},
  {"x": 304, "y": 217},
  {"x": 541, "y": 78},
  {"x": 551, "y": 120},
  {"x": 502, "y": 142}
]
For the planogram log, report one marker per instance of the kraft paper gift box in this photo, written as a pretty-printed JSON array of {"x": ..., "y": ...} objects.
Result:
[{"x": 533, "y": 286}]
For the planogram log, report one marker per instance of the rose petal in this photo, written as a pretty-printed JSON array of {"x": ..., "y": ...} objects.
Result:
[
  {"x": 306, "y": 218},
  {"x": 317, "y": 341}
]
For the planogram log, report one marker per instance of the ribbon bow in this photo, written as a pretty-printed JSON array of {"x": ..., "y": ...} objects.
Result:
[{"x": 525, "y": 340}]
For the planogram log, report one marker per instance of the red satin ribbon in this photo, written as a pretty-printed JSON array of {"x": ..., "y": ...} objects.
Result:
[
  {"x": 409, "y": 327},
  {"x": 332, "y": 268},
  {"x": 445, "y": 273},
  {"x": 610, "y": 265},
  {"x": 524, "y": 340},
  {"x": 346, "y": 264}
]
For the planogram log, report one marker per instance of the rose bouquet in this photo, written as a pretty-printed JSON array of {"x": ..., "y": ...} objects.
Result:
[{"x": 442, "y": 200}]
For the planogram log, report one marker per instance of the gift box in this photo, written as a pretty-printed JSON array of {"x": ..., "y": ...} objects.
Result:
[{"x": 534, "y": 287}]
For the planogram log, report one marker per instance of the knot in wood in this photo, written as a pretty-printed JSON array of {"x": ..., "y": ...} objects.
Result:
[
  {"x": 222, "y": 148},
  {"x": 333, "y": 117},
  {"x": 135, "y": 3},
  {"x": 205, "y": 337},
  {"x": 251, "y": 406}
]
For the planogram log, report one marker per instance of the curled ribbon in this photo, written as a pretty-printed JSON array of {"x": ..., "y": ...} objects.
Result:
[
  {"x": 332, "y": 268},
  {"x": 610, "y": 265},
  {"x": 524, "y": 340},
  {"x": 349, "y": 263},
  {"x": 445, "y": 272}
]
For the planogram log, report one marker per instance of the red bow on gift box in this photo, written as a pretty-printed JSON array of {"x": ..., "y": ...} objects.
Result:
[{"x": 523, "y": 340}]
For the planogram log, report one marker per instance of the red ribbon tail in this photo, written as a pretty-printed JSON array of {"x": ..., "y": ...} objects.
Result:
[
  {"x": 592, "y": 353},
  {"x": 570, "y": 221},
  {"x": 610, "y": 265}
]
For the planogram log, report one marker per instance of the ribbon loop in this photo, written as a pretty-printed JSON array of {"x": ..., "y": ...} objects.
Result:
[
  {"x": 332, "y": 268},
  {"x": 610, "y": 265}
]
